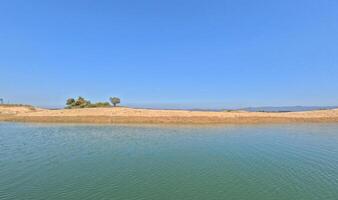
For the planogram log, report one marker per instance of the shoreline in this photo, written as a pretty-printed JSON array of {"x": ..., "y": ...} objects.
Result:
[
  {"x": 166, "y": 120},
  {"x": 123, "y": 115}
]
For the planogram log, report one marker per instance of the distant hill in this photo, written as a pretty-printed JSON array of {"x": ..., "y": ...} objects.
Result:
[
  {"x": 288, "y": 108},
  {"x": 250, "y": 109}
]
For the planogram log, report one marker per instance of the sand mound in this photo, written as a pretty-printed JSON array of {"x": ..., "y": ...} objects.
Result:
[
  {"x": 16, "y": 109},
  {"x": 131, "y": 115}
]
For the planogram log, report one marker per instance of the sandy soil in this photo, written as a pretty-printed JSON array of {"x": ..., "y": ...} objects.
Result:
[{"x": 130, "y": 115}]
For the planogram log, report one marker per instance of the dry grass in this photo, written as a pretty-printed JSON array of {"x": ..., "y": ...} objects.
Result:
[{"x": 130, "y": 115}]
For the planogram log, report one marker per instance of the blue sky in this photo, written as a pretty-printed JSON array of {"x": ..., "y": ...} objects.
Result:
[{"x": 192, "y": 53}]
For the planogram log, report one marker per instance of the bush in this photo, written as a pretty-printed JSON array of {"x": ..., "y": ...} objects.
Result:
[
  {"x": 99, "y": 104},
  {"x": 83, "y": 103}
]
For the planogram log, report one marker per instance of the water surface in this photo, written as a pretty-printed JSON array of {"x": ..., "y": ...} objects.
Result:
[{"x": 158, "y": 162}]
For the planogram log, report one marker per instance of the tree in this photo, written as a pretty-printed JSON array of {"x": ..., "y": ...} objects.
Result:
[
  {"x": 114, "y": 100},
  {"x": 70, "y": 101},
  {"x": 1, "y": 101},
  {"x": 80, "y": 101}
]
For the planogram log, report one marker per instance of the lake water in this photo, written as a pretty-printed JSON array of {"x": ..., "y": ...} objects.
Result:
[{"x": 254, "y": 162}]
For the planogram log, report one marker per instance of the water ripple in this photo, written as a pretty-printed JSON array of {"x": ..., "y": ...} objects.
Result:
[{"x": 122, "y": 162}]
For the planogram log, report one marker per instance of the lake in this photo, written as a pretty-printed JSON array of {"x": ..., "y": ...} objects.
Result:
[{"x": 254, "y": 162}]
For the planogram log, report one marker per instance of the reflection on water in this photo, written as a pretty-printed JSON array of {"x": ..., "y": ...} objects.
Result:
[{"x": 167, "y": 162}]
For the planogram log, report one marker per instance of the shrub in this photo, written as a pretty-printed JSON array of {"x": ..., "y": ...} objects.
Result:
[
  {"x": 99, "y": 104},
  {"x": 83, "y": 103}
]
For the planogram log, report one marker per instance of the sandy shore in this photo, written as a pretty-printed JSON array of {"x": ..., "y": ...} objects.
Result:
[{"x": 130, "y": 115}]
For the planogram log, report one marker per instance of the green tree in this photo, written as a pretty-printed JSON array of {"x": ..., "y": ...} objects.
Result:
[
  {"x": 114, "y": 100},
  {"x": 70, "y": 101},
  {"x": 80, "y": 101}
]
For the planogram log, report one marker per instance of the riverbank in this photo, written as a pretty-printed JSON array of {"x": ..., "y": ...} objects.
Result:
[{"x": 149, "y": 116}]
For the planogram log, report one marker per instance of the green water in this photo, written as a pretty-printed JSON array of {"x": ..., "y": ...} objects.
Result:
[{"x": 260, "y": 162}]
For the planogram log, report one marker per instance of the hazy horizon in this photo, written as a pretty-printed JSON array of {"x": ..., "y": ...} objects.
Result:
[
  {"x": 170, "y": 54},
  {"x": 210, "y": 107}
]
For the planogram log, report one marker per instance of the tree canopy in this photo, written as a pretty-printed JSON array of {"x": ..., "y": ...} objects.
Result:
[
  {"x": 81, "y": 102},
  {"x": 114, "y": 101}
]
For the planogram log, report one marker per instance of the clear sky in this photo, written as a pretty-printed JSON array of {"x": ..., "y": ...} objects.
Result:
[{"x": 192, "y": 53}]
